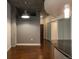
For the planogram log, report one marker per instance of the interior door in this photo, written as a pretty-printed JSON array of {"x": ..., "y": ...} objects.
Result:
[{"x": 41, "y": 34}]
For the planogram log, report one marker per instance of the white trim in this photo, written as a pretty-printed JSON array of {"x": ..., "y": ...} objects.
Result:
[{"x": 28, "y": 44}]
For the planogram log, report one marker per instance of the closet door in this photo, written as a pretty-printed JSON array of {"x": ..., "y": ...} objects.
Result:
[
  {"x": 64, "y": 29},
  {"x": 64, "y": 35}
]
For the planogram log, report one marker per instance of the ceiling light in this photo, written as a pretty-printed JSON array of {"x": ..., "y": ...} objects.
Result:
[
  {"x": 25, "y": 15},
  {"x": 41, "y": 16},
  {"x": 66, "y": 11}
]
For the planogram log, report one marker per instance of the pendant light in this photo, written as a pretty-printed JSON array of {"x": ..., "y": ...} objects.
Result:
[{"x": 25, "y": 15}]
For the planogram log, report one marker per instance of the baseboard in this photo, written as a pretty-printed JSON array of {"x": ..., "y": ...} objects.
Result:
[
  {"x": 8, "y": 48},
  {"x": 28, "y": 44}
]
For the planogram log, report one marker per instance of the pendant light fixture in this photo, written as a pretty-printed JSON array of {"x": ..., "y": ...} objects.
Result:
[{"x": 25, "y": 14}]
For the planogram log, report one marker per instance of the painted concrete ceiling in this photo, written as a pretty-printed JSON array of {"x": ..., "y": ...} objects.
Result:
[{"x": 28, "y": 4}]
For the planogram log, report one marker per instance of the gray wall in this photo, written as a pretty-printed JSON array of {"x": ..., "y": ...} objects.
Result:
[
  {"x": 13, "y": 26},
  {"x": 64, "y": 29},
  {"x": 8, "y": 26},
  {"x": 28, "y": 30}
]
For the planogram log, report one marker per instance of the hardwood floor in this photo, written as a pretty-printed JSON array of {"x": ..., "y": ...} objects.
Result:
[{"x": 31, "y": 52}]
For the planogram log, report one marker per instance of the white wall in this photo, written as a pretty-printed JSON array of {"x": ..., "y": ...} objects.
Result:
[
  {"x": 8, "y": 26},
  {"x": 13, "y": 26},
  {"x": 54, "y": 30}
]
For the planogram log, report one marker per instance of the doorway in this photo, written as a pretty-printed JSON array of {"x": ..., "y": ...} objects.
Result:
[{"x": 41, "y": 34}]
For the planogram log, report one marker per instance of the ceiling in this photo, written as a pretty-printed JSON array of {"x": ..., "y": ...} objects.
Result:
[{"x": 32, "y": 6}]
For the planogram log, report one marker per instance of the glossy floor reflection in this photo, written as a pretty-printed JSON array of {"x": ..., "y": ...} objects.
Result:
[{"x": 31, "y": 52}]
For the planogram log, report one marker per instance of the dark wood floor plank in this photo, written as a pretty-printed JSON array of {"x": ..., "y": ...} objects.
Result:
[{"x": 31, "y": 52}]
